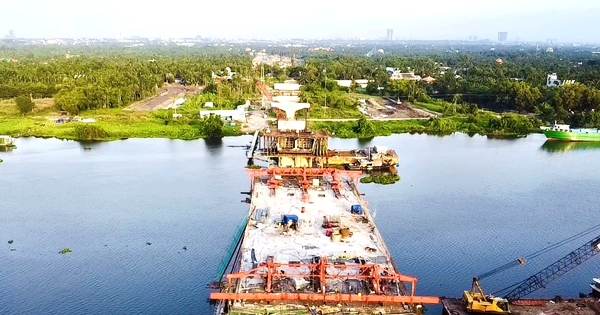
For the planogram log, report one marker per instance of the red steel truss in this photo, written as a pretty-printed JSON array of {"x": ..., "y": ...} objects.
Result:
[
  {"x": 322, "y": 272},
  {"x": 303, "y": 172}
]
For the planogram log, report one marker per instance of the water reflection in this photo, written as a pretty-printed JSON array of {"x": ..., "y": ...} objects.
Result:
[
  {"x": 363, "y": 142},
  {"x": 561, "y": 146},
  {"x": 6, "y": 149},
  {"x": 87, "y": 145},
  {"x": 214, "y": 146}
]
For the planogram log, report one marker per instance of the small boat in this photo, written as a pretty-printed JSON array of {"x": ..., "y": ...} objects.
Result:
[
  {"x": 596, "y": 286},
  {"x": 6, "y": 141},
  {"x": 560, "y": 132}
]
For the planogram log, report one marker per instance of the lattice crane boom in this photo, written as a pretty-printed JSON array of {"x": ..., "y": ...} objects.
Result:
[{"x": 557, "y": 269}]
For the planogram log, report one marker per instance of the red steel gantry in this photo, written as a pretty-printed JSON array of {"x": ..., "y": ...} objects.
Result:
[{"x": 373, "y": 274}]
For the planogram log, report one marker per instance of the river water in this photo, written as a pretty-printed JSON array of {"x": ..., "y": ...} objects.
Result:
[{"x": 149, "y": 220}]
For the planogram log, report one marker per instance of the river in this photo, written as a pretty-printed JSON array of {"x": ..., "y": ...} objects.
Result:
[{"x": 149, "y": 220}]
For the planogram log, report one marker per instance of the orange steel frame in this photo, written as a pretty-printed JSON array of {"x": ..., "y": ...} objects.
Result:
[
  {"x": 280, "y": 113},
  {"x": 371, "y": 273},
  {"x": 305, "y": 172}
]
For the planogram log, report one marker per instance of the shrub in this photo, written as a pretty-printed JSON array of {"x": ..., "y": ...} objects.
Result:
[
  {"x": 441, "y": 125},
  {"x": 24, "y": 104},
  {"x": 90, "y": 132}
]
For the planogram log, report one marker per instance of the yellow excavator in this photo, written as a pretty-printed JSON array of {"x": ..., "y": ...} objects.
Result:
[{"x": 476, "y": 301}]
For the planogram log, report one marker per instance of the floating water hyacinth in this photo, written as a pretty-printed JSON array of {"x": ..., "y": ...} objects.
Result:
[{"x": 66, "y": 250}]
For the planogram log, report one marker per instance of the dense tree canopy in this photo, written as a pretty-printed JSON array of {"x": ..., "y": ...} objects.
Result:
[{"x": 110, "y": 79}]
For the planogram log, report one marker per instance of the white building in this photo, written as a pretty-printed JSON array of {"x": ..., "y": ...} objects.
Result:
[
  {"x": 553, "y": 81},
  {"x": 396, "y": 74},
  {"x": 233, "y": 114},
  {"x": 348, "y": 83}
]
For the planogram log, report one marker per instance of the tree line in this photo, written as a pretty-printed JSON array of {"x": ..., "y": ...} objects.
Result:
[
  {"x": 109, "y": 79},
  {"x": 512, "y": 80}
]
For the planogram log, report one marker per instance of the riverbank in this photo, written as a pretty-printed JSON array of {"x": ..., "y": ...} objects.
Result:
[
  {"x": 147, "y": 126},
  {"x": 482, "y": 123},
  {"x": 109, "y": 124},
  {"x": 114, "y": 124}
]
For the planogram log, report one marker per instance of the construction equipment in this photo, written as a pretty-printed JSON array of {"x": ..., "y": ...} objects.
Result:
[
  {"x": 477, "y": 301},
  {"x": 557, "y": 269}
]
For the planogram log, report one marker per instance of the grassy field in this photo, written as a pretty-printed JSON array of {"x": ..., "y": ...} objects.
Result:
[
  {"x": 433, "y": 106},
  {"x": 113, "y": 124},
  {"x": 117, "y": 123}
]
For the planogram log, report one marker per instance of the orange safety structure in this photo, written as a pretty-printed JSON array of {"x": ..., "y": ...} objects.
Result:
[
  {"x": 321, "y": 272},
  {"x": 326, "y": 297},
  {"x": 280, "y": 114},
  {"x": 264, "y": 90},
  {"x": 303, "y": 172}
]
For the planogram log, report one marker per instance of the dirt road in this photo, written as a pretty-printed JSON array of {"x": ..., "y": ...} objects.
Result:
[
  {"x": 166, "y": 96},
  {"x": 392, "y": 111}
]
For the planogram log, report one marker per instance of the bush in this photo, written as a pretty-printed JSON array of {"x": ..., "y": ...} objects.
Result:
[
  {"x": 213, "y": 126},
  {"x": 513, "y": 124},
  {"x": 441, "y": 125},
  {"x": 365, "y": 128},
  {"x": 24, "y": 104},
  {"x": 89, "y": 132},
  {"x": 385, "y": 179}
]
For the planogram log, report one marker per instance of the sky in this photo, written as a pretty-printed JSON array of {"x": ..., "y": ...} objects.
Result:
[{"x": 525, "y": 20}]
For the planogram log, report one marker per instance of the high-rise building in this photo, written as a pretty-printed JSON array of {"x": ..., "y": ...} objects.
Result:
[
  {"x": 502, "y": 36},
  {"x": 390, "y": 34},
  {"x": 11, "y": 34}
]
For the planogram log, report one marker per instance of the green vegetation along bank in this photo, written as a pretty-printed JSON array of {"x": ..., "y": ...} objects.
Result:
[
  {"x": 113, "y": 124},
  {"x": 482, "y": 123}
]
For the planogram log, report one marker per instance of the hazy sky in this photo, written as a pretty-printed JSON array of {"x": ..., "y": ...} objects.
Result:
[{"x": 564, "y": 20}]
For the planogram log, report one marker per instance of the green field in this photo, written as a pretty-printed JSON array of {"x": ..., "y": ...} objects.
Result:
[{"x": 115, "y": 123}]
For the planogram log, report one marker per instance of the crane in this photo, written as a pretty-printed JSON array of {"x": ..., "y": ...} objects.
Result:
[
  {"x": 267, "y": 96},
  {"x": 557, "y": 269},
  {"x": 476, "y": 300}
]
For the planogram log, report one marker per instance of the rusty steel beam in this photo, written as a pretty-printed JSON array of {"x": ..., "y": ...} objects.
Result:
[{"x": 325, "y": 297}]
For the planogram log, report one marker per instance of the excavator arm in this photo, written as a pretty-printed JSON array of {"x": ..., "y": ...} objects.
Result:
[
  {"x": 557, "y": 269},
  {"x": 476, "y": 287}
]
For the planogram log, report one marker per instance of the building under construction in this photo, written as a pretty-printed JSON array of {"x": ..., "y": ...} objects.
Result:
[
  {"x": 291, "y": 144},
  {"x": 308, "y": 244}
]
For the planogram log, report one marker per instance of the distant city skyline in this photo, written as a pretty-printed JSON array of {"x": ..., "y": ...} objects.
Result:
[{"x": 571, "y": 21}]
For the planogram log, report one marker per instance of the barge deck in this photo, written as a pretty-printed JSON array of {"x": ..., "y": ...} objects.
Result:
[{"x": 311, "y": 247}]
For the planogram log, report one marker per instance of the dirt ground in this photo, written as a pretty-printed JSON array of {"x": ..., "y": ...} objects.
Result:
[
  {"x": 391, "y": 110},
  {"x": 167, "y": 95},
  {"x": 256, "y": 121}
]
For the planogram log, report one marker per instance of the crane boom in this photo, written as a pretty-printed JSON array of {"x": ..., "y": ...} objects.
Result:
[{"x": 559, "y": 268}]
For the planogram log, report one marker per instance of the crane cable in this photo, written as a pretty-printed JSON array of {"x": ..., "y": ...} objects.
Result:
[{"x": 536, "y": 254}]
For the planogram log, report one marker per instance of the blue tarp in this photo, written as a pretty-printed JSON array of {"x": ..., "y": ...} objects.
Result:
[
  {"x": 356, "y": 209},
  {"x": 288, "y": 217}
]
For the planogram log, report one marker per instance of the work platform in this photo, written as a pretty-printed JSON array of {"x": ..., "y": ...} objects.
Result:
[
  {"x": 586, "y": 306},
  {"x": 311, "y": 247}
]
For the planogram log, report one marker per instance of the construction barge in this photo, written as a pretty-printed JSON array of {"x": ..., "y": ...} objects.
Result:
[
  {"x": 291, "y": 144},
  {"x": 309, "y": 244}
]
